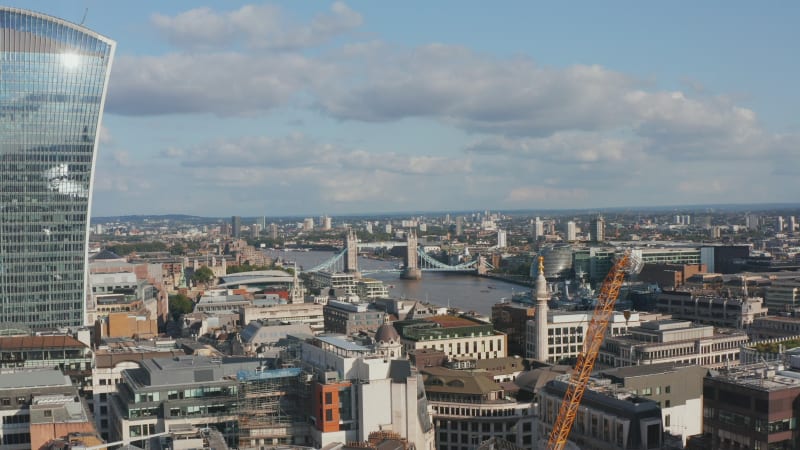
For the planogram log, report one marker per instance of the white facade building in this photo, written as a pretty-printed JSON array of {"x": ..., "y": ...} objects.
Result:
[{"x": 566, "y": 331}]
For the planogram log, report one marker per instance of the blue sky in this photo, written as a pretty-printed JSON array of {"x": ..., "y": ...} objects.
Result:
[{"x": 222, "y": 108}]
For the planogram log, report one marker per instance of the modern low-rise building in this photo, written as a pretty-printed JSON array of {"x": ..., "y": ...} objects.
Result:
[
  {"x": 359, "y": 389},
  {"x": 62, "y": 352},
  {"x": 470, "y": 408},
  {"x": 774, "y": 327},
  {"x": 608, "y": 418},
  {"x": 111, "y": 358},
  {"x": 783, "y": 295},
  {"x": 751, "y": 407},
  {"x": 349, "y": 318},
  {"x": 184, "y": 390},
  {"x": 308, "y": 313},
  {"x": 371, "y": 288},
  {"x": 566, "y": 330},
  {"x": 711, "y": 309},
  {"x": 512, "y": 319},
  {"x": 457, "y": 336},
  {"x": 678, "y": 390},
  {"x": 36, "y": 406},
  {"x": 673, "y": 341}
]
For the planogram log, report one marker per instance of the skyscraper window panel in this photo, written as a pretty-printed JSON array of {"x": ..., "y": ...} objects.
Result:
[{"x": 53, "y": 81}]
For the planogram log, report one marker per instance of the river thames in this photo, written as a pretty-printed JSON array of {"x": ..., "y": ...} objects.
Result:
[{"x": 464, "y": 291}]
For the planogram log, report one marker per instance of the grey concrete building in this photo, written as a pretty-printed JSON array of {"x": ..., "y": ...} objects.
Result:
[
  {"x": 168, "y": 392},
  {"x": 678, "y": 390},
  {"x": 608, "y": 418},
  {"x": 348, "y": 318}
]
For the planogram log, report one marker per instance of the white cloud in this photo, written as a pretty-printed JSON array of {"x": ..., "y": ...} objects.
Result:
[
  {"x": 538, "y": 135},
  {"x": 563, "y": 147},
  {"x": 226, "y": 84},
  {"x": 300, "y": 151},
  {"x": 529, "y": 194},
  {"x": 257, "y": 26}
]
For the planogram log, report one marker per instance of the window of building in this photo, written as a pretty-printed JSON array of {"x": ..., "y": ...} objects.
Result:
[
  {"x": 328, "y": 398},
  {"x": 666, "y": 420},
  {"x": 666, "y": 389},
  {"x": 328, "y": 415}
]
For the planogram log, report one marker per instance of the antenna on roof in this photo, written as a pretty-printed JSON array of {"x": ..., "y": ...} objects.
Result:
[{"x": 85, "y": 12}]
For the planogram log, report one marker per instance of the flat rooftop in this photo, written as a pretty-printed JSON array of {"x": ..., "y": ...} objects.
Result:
[
  {"x": 343, "y": 343},
  {"x": 761, "y": 377},
  {"x": 39, "y": 342},
  {"x": 453, "y": 321},
  {"x": 32, "y": 378}
]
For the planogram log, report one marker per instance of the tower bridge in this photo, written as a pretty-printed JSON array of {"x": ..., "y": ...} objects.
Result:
[{"x": 415, "y": 260}]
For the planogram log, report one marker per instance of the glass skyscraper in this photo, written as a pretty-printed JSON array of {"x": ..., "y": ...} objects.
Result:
[{"x": 53, "y": 81}]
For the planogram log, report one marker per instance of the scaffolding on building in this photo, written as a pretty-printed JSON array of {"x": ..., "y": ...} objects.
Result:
[{"x": 271, "y": 406}]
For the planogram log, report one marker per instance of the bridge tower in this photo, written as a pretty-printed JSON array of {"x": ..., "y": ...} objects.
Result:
[
  {"x": 412, "y": 270},
  {"x": 351, "y": 260}
]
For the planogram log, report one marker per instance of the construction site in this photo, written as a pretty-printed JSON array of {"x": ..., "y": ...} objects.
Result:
[{"x": 272, "y": 407}]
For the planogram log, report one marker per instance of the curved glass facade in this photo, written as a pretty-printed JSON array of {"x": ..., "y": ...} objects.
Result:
[
  {"x": 53, "y": 80},
  {"x": 557, "y": 262}
]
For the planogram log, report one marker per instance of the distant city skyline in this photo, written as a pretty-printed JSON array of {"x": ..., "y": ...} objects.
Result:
[{"x": 280, "y": 109}]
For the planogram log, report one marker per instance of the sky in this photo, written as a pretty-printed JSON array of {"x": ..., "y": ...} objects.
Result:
[{"x": 308, "y": 108}]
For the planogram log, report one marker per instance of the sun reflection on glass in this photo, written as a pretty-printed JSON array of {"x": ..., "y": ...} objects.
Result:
[{"x": 70, "y": 60}]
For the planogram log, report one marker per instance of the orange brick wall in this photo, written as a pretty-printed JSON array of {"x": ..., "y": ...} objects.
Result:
[{"x": 320, "y": 406}]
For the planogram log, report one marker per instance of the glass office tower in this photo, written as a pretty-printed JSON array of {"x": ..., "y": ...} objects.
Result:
[{"x": 53, "y": 80}]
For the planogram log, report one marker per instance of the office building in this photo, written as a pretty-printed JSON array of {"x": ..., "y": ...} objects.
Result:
[
  {"x": 470, "y": 408},
  {"x": 770, "y": 327},
  {"x": 111, "y": 358},
  {"x": 236, "y": 227},
  {"x": 727, "y": 311},
  {"x": 349, "y": 318},
  {"x": 53, "y": 85},
  {"x": 303, "y": 313},
  {"x": 673, "y": 341},
  {"x": 361, "y": 389},
  {"x": 273, "y": 231},
  {"x": 571, "y": 234},
  {"x": 456, "y": 336},
  {"x": 608, "y": 418},
  {"x": 783, "y": 295},
  {"x": 167, "y": 393},
  {"x": 677, "y": 389},
  {"x": 37, "y": 406},
  {"x": 752, "y": 221},
  {"x": 502, "y": 238},
  {"x": 598, "y": 229},
  {"x": 511, "y": 319},
  {"x": 752, "y": 406},
  {"x": 565, "y": 331}
]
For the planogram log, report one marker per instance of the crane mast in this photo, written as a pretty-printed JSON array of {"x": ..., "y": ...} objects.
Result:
[{"x": 591, "y": 347}]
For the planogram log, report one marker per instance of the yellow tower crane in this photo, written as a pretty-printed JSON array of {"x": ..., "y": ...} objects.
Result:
[{"x": 627, "y": 263}]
